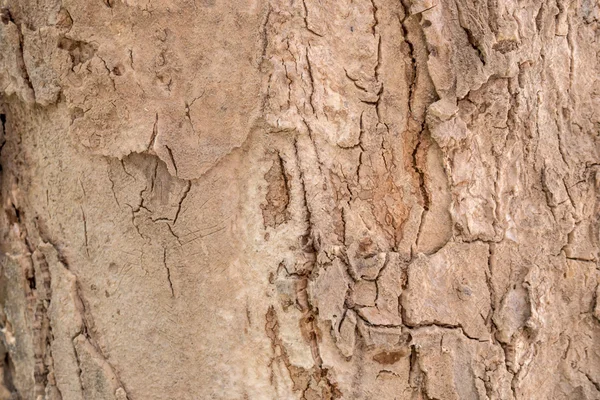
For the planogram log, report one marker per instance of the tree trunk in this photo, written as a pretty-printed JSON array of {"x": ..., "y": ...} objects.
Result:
[{"x": 333, "y": 199}]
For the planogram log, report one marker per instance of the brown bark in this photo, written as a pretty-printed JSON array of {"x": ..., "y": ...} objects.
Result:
[{"x": 274, "y": 199}]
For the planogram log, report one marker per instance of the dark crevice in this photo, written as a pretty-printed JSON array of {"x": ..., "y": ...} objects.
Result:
[
  {"x": 475, "y": 45},
  {"x": 490, "y": 286},
  {"x": 3, "y": 122},
  {"x": 416, "y": 164},
  {"x": 172, "y": 158},
  {"x": 286, "y": 181},
  {"x": 413, "y": 63},
  {"x": 370, "y": 324},
  {"x": 417, "y": 378},
  {"x": 304, "y": 198},
  {"x": 5, "y": 16},
  {"x": 312, "y": 82},
  {"x": 421, "y": 174},
  {"x": 592, "y": 381},
  {"x": 355, "y": 82},
  {"x": 31, "y": 282},
  {"x": 154, "y": 133},
  {"x": 8, "y": 370},
  {"x": 79, "y": 51},
  {"x": 306, "y": 25},
  {"x": 2, "y": 136},
  {"x": 473, "y": 41},
  {"x": 311, "y": 136},
  {"x": 375, "y": 26}
]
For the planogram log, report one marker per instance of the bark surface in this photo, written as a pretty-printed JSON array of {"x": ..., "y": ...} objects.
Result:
[{"x": 333, "y": 199}]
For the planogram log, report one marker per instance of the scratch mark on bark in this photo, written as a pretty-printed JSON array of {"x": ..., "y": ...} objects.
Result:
[{"x": 85, "y": 234}]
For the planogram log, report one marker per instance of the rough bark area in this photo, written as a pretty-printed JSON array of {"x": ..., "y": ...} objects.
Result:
[{"x": 275, "y": 199}]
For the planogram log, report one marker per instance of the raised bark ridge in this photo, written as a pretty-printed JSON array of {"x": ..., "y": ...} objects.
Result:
[{"x": 306, "y": 199}]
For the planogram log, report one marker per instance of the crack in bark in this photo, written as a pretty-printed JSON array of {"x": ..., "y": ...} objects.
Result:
[
  {"x": 305, "y": 17},
  {"x": 592, "y": 381},
  {"x": 417, "y": 378},
  {"x": 491, "y": 290},
  {"x": 375, "y": 26},
  {"x": 183, "y": 197},
  {"x": 473, "y": 41},
  {"x": 312, "y": 82},
  {"x": 78, "y": 361},
  {"x": 188, "y": 116},
  {"x": 44, "y": 377},
  {"x": 112, "y": 188},
  {"x": 422, "y": 187},
  {"x": 171, "y": 158},
  {"x": 87, "y": 327},
  {"x": 154, "y": 133},
  {"x": 176, "y": 236},
  {"x": 168, "y": 272},
  {"x": 355, "y": 82},
  {"x": 418, "y": 163},
  {"x": 441, "y": 325}
]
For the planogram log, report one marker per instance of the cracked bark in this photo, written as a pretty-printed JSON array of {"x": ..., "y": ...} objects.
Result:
[{"x": 325, "y": 199}]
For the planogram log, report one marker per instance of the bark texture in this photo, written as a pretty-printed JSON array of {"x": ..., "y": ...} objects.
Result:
[{"x": 300, "y": 199}]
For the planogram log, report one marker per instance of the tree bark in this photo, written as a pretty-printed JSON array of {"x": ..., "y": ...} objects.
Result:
[{"x": 333, "y": 199}]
